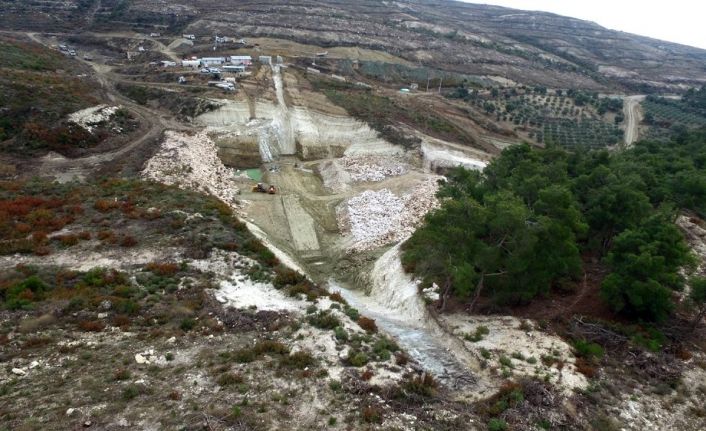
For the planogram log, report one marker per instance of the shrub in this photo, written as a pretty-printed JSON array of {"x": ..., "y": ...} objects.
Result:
[
  {"x": 163, "y": 268},
  {"x": 229, "y": 379},
  {"x": 91, "y": 325},
  {"x": 367, "y": 375},
  {"x": 131, "y": 392},
  {"x": 128, "y": 241},
  {"x": 287, "y": 277},
  {"x": 336, "y": 297},
  {"x": 357, "y": 359},
  {"x": 324, "y": 320},
  {"x": 478, "y": 335},
  {"x": 588, "y": 350},
  {"x": 298, "y": 360},
  {"x": 367, "y": 324},
  {"x": 423, "y": 385},
  {"x": 122, "y": 374},
  {"x": 271, "y": 347},
  {"x": 105, "y": 205},
  {"x": 496, "y": 424},
  {"x": 340, "y": 333},
  {"x": 371, "y": 414},
  {"x": 187, "y": 324},
  {"x": 351, "y": 312}
]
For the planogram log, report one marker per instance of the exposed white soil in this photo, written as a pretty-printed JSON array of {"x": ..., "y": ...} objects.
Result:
[
  {"x": 317, "y": 135},
  {"x": 86, "y": 260},
  {"x": 509, "y": 338},
  {"x": 645, "y": 410},
  {"x": 191, "y": 162},
  {"x": 397, "y": 308},
  {"x": 90, "y": 118},
  {"x": 442, "y": 155},
  {"x": 375, "y": 218},
  {"x": 241, "y": 292}
]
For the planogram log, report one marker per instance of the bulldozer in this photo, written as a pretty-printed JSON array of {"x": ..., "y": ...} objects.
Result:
[{"x": 262, "y": 188}]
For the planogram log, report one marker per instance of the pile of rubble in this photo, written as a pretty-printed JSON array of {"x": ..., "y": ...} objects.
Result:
[
  {"x": 373, "y": 168},
  {"x": 191, "y": 162},
  {"x": 377, "y": 218},
  {"x": 90, "y": 118}
]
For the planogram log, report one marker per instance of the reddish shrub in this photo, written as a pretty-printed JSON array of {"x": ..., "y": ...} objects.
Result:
[
  {"x": 41, "y": 250},
  {"x": 336, "y": 296},
  {"x": 175, "y": 396},
  {"x": 105, "y": 205},
  {"x": 91, "y": 325},
  {"x": 67, "y": 240},
  {"x": 367, "y": 375},
  {"x": 367, "y": 324},
  {"x": 371, "y": 414},
  {"x": 39, "y": 237},
  {"x": 163, "y": 268},
  {"x": 586, "y": 368},
  {"x": 84, "y": 235},
  {"x": 107, "y": 236},
  {"x": 121, "y": 321},
  {"x": 23, "y": 228},
  {"x": 128, "y": 241}
]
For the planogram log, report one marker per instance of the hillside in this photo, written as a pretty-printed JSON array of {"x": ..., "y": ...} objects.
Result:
[{"x": 529, "y": 47}]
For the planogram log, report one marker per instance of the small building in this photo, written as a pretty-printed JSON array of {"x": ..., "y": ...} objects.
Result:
[
  {"x": 234, "y": 68},
  {"x": 244, "y": 60},
  {"x": 414, "y": 86},
  {"x": 191, "y": 63},
  {"x": 322, "y": 54},
  {"x": 312, "y": 70},
  {"x": 168, "y": 63},
  {"x": 155, "y": 35},
  {"x": 189, "y": 36},
  {"x": 265, "y": 59},
  {"x": 338, "y": 78},
  {"x": 141, "y": 48},
  {"x": 208, "y": 61},
  {"x": 181, "y": 80}
]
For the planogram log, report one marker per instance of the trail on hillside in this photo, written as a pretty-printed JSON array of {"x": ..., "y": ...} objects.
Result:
[{"x": 631, "y": 110}]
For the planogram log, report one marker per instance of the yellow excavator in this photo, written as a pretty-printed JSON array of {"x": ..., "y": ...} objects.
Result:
[{"x": 262, "y": 188}]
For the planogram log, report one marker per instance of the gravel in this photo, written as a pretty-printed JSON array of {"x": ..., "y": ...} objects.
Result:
[
  {"x": 376, "y": 218},
  {"x": 191, "y": 162}
]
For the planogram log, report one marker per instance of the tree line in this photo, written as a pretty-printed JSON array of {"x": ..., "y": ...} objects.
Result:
[{"x": 526, "y": 224}]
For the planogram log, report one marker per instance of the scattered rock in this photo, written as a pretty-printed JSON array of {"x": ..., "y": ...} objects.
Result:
[
  {"x": 19, "y": 371},
  {"x": 70, "y": 411},
  {"x": 141, "y": 359}
]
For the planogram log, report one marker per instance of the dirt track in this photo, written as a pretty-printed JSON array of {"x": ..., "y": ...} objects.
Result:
[{"x": 633, "y": 116}]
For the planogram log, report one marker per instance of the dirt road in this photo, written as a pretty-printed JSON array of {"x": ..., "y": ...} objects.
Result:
[{"x": 633, "y": 116}]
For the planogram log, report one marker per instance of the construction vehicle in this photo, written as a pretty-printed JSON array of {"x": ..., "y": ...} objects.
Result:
[{"x": 262, "y": 188}]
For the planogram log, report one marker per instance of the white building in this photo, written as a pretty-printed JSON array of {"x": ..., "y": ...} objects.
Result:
[
  {"x": 244, "y": 60},
  {"x": 234, "y": 68},
  {"x": 208, "y": 61},
  {"x": 191, "y": 63},
  {"x": 189, "y": 36},
  {"x": 167, "y": 63}
]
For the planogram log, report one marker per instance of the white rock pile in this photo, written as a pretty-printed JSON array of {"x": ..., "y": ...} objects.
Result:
[
  {"x": 373, "y": 168},
  {"x": 191, "y": 162},
  {"x": 375, "y": 218},
  {"x": 91, "y": 117}
]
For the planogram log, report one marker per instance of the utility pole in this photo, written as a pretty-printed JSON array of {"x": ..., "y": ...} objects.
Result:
[
  {"x": 428, "y": 79},
  {"x": 440, "y": 81}
]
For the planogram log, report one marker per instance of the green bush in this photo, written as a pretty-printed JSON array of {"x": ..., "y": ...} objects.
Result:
[
  {"x": 324, "y": 320},
  {"x": 588, "y": 350},
  {"x": 496, "y": 424}
]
